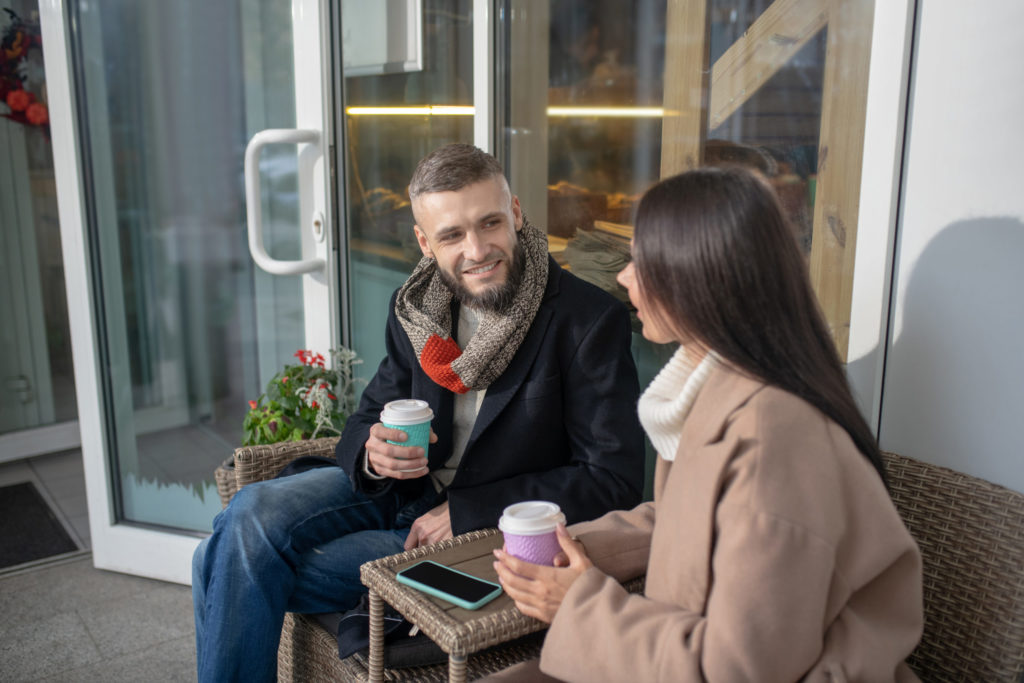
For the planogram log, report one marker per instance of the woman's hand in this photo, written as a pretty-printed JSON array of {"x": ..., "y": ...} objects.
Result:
[{"x": 538, "y": 590}]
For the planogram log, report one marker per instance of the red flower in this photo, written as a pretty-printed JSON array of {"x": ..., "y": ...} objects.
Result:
[
  {"x": 284, "y": 380},
  {"x": 332, "y": 397},
  {"x": 252, "y": 405},
  {"x": 37, "y": 114},
  {"x": 313, "y": 404},
  {"x": 19, "y": 100}
]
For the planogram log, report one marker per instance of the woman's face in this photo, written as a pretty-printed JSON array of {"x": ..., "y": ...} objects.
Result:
[{"x": 653, "y": 328}]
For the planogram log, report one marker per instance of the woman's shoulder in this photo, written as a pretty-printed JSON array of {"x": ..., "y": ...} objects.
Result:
[{"x": 790, "y": 461}]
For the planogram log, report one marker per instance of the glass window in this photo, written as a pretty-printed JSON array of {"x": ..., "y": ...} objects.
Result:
[
  {"x": 639, "y": 91},
  {"x": 605, "y": 98},
  {"x": 392, "y": 120},
  {"x": 36, "y": 370},
  {"x": 169, "y": 95}
]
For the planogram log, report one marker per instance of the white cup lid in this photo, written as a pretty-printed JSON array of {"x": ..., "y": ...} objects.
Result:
[
  {"x": 531, "y": 517},
  {"x": 407, "y": 411}
]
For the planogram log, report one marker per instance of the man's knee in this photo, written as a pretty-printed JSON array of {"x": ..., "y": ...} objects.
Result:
[
  {"x": 251, "y": 505},
  {"x": 198, "y": 560}
]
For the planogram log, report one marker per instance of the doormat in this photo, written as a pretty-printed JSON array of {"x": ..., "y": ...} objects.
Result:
[{"x": 29, "y": 530}]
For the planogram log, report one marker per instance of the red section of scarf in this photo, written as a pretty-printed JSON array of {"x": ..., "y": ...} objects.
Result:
[{"x": 436, "y": 360}]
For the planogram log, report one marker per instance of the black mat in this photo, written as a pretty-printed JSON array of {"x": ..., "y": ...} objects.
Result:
[{"x": 29, "y": 530}]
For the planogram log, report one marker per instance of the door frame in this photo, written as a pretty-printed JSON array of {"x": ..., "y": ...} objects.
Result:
[
  {"x": 138, "y": 549},
  {"x": 878, "y": 208},
  {"x": 166, "y": 555}
]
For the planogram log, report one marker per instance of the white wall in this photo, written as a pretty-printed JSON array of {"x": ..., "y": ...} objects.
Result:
[{"x": 953, "y": 390}]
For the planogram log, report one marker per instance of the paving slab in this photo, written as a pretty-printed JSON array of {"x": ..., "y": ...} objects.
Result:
[
  {"x": 36, "y": 649},
  {"x": 67, "y": 587},
  {"x": 132, "y": 623},
  {"x": 171, "y": 661}
]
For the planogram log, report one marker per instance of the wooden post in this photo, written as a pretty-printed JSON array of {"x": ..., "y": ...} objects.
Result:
[
  {"x": 768, "y": 45},
  {"x": 687, "y": 79},
  {"x": 840, "y": 152}
]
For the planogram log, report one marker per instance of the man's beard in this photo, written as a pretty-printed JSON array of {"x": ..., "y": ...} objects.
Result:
[{"x": 495, "y": 298}]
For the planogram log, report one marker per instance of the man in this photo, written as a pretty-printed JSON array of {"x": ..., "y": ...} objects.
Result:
[{"x": 529, "y": 374}]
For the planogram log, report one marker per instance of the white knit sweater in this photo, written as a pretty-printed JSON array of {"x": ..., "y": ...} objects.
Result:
[{"x": 667, "y": 401}]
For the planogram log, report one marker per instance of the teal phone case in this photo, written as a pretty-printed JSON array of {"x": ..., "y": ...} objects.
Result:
[{"x": 438, "y": 593}]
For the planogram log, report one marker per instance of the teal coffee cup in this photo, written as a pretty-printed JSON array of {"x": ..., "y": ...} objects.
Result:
[{"x": 413, "y": 417}]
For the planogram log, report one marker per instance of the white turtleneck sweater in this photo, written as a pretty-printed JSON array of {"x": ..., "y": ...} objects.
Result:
[{"x": 666, "y": 403}]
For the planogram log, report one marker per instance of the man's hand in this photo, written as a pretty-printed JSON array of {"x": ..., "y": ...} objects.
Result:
[
  {"x": 397, "y": 462},
  {"x": 432, "y": 527},
  {"x": 538, "y": 590}
]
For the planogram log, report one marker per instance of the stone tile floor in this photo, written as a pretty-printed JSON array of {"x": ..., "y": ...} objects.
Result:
[
  {"x": 71, "y": 622},
  {"x": 64, "y": 620}
]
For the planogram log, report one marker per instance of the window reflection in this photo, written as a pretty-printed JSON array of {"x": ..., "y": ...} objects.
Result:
[
  {"x": 392, "y": 121},
  {"x": 643, "y": 90}
]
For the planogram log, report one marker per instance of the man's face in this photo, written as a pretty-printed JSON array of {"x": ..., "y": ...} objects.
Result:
[{"x": 471, "y": 233}]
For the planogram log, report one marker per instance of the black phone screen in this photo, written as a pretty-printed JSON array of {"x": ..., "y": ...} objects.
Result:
[{"x": 449, "y": 581}]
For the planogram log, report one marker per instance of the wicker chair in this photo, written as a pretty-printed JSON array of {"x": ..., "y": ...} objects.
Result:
[
  {"x": 308, "y": 651},
  {"x": 971, "y": 534}
]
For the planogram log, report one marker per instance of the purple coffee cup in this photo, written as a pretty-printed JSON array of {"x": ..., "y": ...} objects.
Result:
[{"x": 529, "y": 530}]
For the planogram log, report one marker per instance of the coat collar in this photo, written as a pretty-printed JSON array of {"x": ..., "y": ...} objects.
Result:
[
  {"x": 501, "y": 390},
  {"x": 702, "y": 463},
  {"x": 726, "y": 391}
]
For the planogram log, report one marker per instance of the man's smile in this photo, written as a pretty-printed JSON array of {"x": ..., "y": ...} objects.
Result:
[{"x": 481, "y": 270}]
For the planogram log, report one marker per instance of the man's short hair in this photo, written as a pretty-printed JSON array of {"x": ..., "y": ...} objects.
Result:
[{"x": 451, "y": 168}]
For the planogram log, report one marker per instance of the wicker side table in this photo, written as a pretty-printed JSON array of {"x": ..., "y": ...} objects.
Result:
[{"x": 457, "y": 631}]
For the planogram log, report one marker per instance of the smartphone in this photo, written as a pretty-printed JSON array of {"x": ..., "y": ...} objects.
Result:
[{"x": 449, "y": 584}]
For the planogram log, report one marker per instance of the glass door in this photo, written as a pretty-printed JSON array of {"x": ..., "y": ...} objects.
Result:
[
  {"x": 429, "y": 84},
  {"x": 37, "y": 394},
  {"x": 156, "y": 109}
]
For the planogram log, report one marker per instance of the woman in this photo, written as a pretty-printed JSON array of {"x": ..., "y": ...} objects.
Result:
[{"x": 772, "y": 549}]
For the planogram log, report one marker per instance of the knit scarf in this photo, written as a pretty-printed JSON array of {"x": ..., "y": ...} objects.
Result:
[
  {"x": 423, "y": 308},
  {"x": 667, "y": 402}
]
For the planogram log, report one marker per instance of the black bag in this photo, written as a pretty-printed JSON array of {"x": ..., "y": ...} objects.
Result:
[{"x": 402, "y": 650}]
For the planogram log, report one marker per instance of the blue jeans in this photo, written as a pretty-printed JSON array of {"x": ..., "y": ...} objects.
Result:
[{"x": 291, "y": 544}]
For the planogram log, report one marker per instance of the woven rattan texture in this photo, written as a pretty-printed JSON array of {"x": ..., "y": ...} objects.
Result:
[
  {"x": 453, "y": 636},
  {"x": 262, "y": 462},
  {"x": 478, "y": 665},
  {"x": 971, "y": 535},
  {"x": 224, "y": 476}
]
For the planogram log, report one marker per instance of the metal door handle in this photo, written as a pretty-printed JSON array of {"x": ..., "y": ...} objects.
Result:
[
  {"x": 254, "y": 209},
  {"x": 21, "y": 385}
]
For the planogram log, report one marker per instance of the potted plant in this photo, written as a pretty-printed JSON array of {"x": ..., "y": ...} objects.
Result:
[{"x": 305, "y": 400}]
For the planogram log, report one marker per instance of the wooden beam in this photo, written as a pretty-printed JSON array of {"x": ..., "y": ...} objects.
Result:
[
  {"x": 687, "y": 50},
  {"x": 778, "y": 34},
  {"x": 840, "y": 155}
]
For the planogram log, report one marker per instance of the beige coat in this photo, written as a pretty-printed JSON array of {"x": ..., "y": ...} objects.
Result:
[{"x": 772, "y": 552}]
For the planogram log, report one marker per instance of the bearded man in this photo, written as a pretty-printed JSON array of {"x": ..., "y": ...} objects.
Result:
[{"x": 529, "y": 374}]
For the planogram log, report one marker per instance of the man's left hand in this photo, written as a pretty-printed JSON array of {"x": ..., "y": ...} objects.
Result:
[{"x": 432, "y": 527}]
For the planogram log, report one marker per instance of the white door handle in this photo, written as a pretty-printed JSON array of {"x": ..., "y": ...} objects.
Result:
[{"x": 254, "y": 208}]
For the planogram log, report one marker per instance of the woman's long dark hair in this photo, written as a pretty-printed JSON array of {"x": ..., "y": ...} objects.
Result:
[{"x": 715, "y": 254}]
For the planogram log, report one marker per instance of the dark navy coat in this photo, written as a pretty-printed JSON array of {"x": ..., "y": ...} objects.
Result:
[{"x": 560, "y": 424}]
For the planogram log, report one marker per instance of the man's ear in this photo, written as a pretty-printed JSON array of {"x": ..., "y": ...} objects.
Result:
[
  {"x": 517, "y": 213},
  {"x": 421, "y": 237}
]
